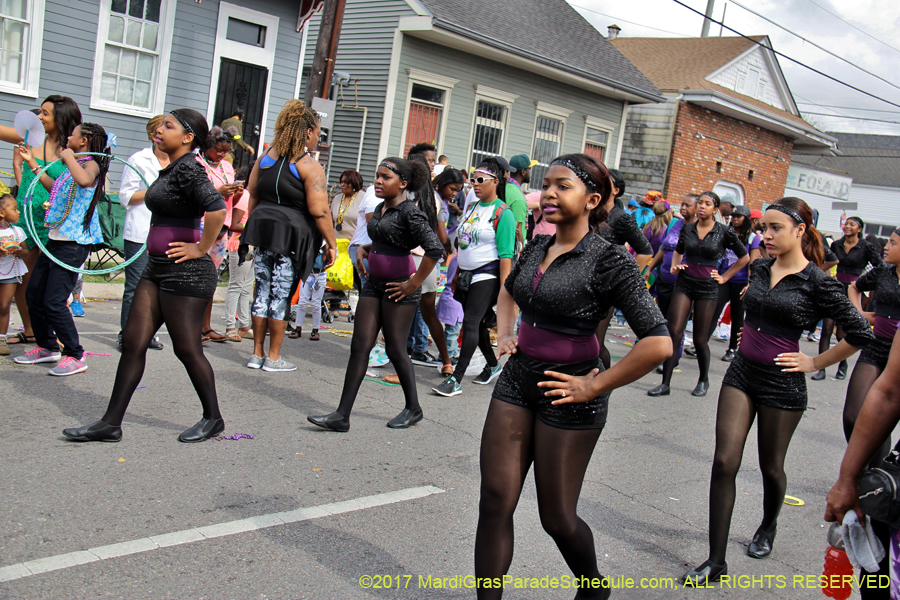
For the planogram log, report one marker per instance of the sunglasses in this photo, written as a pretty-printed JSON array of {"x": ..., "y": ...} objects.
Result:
[{"x": 480, "y": 180}]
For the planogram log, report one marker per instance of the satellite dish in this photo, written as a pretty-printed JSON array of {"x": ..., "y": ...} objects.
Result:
[{"x": 28, "y": 126}]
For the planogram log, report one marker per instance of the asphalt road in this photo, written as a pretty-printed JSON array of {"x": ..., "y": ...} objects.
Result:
[{"x": 645, "y": 495}]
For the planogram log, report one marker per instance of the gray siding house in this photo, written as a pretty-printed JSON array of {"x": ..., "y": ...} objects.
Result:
[
  {"x": 477, "y": 79},
  {"x": 124, "y": 61}
]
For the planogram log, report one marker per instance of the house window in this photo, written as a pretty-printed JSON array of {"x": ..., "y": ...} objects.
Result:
[
  {"x": 547, "y": 140},
  {"x": 490, "y": 129},
  {"x": 21, "y": 36},
  {"x": 133, "y": 41},
  {"x": 426, "y": 109},
  {"x": 595, "y": 141},
  {"x": 246, "y": 32}
]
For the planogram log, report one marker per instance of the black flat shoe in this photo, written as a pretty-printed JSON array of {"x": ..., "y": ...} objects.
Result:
[
  {"x": 604, "y": 593},
  {"x": 203, "y": 430},
  {"x": 334, "y": 422},
  {"x": 729, "y": 355},
  {"x": 842, "y": 371},
  {"x": 660, "y": 390},
  {"x": 659, "y": 370},
  {"x": 705, "y": 574},
  {"x": 761, "y": 546},
  {"x": 405, "y": 419},
  {"x": 819, "y": 376},
  {"x": 97, "y": 432},
  {"x": 701, "y": 389}
]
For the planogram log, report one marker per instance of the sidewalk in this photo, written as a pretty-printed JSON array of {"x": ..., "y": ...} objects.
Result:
[{"x": 113, "y": 291}]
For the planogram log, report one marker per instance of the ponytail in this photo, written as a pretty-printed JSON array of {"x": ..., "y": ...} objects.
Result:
[
  {"x": 96, "y": 143},
  {"x": 811, "y": 244},
  {"x": 420, "y": 184}
]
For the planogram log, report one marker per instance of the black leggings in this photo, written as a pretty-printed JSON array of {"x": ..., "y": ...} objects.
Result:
[
  {"x": 729, "y": 292},
  {"x": 480, "y": 298},
  {"x": 734, "y": 418},
  {"x": 374, "y": 314},
  {"x": 512, "y": 440},
  {"x": 183, "y": 316},
  {"x": 679, "y": 311}
]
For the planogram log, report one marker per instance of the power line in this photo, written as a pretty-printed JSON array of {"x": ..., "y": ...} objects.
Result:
[
  {"x": 625, "y": 21},
  {"x": 811, "y": 43},
  {"x": 849, "y": 107},
  {"x": 793, "y": 60},
  {"x": 839, "y": 18},
  {"x": 809, "y": 112}
]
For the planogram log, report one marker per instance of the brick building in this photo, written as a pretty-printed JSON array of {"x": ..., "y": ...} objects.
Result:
[{"x": 729, "y": 123}]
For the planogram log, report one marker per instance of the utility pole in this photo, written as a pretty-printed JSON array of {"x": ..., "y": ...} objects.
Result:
[
  {"x": 319, "y": 82},
  {"x": 710, "y": 4}
]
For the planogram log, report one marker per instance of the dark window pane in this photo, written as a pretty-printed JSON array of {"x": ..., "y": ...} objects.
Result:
[
  {"x": 486, "y": 110},
  {"x": 246, "y": 33},
  {"x": 596, "y": 136},
  {"x": 152, "y": 11},
  {"x": 136, "y": 9},
  {"x": 119, "y": 6},
  {"x": 428, "y": 94}
]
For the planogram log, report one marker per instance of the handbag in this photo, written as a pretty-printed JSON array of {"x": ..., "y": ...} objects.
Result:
[
  {"x": 879, "y": 490},
  {"x": 340, "y": 274}
]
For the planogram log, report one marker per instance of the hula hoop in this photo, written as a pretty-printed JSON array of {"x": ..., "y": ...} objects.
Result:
[
  {"x": 32, "y": 230},
  {"x": 793, "y": 501}
]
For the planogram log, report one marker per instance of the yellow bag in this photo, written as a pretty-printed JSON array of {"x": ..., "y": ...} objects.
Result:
[{"x": 340, "y": 274}]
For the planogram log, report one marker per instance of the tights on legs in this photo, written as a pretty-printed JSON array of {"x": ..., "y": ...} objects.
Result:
[
  {"x": 429, "y": 315},
  {"x": 372, "y": 315},
  {"x": 479, "y": 300},
  {"x": 512, "y": 440},
  {"x": 183, "y": 316},
  {"x": 679, "y": 310},
  {"x": 735, "y": 415},
  {"x": 602, "y": 328},
  {"x": 829, "y": 327}
]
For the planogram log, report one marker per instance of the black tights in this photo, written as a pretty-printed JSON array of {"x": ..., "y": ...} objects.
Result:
[
  {"x": 679, "y": 311},
  {"x": 734, "y": 418},
  {"x": 512, "y": 440},
  {"x": 602, "y": 328},
  {"x": 729, "y": 292},
  {"x": 829, "y": 327},
  {"x": 372, "y": 315},
  {"x": 478, "y": 301},
  {"x": 183, "y": 316}
]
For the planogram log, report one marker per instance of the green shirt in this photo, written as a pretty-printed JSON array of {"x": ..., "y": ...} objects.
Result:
[
  {"x": 515, "y": 199},
  {"x": 232, "y": 122},
  {"x": 35, "y": 206}
]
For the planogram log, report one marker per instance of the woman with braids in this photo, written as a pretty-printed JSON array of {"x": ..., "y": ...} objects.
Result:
[
  {"x": 213, "y": 151},
  {"x": 176, "y": 285},
  {"x": 550, "y": 404},
  {"x": 787, "y": 294},
  {"x": 618, "y": 228},
  {"x": 59, "y": 115},
  {"x": 702, "y": 244},
  {"x": 487, "y": 241},
  {"x": 73, "y": 225},
  {"x": 391, "y": 293},
  {"x": 854, "y": 254},
  {"x": 289, "y": 217}
]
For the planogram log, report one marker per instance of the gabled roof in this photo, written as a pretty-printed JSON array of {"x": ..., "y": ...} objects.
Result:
[
  {"x": 549, "y": 32},
  {"x": 868, "y": 159}
]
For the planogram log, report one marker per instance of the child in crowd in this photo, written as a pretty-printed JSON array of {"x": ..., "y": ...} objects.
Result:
[
  {"x": 450, "y": 313},
  {"x": 310, "y": 293},
  {"x": 12, "y": 267},
  {"x": 74, "y": 226}
]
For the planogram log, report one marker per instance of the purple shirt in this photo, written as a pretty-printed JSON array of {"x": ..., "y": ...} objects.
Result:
[
  {"x": 742, "y": 276},
  {"x": 449, "y": 311},
  {"x": 669, "y": 241}
]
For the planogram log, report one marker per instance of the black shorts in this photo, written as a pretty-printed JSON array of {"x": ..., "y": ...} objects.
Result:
[
  {"x": 196, "y": 277},
  {"x": 876, "y": 352},
  {"x": 767, "y": 384},
  {"x": 377, "y": 288},
  {"x": 518, "y": 385},
  {"x": 697, "y": 289}
]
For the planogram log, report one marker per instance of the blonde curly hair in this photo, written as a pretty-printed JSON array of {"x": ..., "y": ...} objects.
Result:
[{"x": 294, "y": 120}]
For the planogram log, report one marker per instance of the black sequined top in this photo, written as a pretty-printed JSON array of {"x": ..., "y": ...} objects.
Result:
[
  {"x": 799, "y": 301},
  {"x": 402, "y": 228},
  {"x": 883, "y": 280},
  {"x": 621, "y": 228},
  {"x": 182, "y": 194},
  {"x": 855, "y": 261},
  {"x": 579, "y": 287},
  {"x": 709, "y": 250}
]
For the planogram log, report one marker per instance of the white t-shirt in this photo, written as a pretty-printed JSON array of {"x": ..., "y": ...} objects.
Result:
[
  {"x": 441, "y": 217},
  {"x": 12, "y": 266},
  {"x": 477, "y": 240},
  {"x": 366, "y": 206},
  {"x": 137, "y": 219}
]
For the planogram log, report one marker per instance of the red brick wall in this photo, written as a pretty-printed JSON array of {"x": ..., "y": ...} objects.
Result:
[{"x": 740, "y": 148}]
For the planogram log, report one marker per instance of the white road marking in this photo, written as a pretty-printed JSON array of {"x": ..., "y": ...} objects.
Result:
[{"x": 187, "y": 536}]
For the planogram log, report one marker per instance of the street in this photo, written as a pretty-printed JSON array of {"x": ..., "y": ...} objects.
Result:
[{"x": 416, "y": 491}]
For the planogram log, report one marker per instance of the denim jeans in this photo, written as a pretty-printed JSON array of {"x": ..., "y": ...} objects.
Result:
[
  {"x": 418, "y": 334},
  {"x": 240, "y": 291},
  {"x": 362, "y": 278},
  {"x": 451, "y": 332},
  {"x": 48, "y": 290},
  {"x": 133, "y": 274}
]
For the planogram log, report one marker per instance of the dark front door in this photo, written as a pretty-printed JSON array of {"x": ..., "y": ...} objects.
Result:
[{"x": 242, "y": 85}]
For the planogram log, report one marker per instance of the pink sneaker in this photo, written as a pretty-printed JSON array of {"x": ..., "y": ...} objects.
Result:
[
  {"x": 69, "y": 366},
  {"x": 37, "y": 355}
]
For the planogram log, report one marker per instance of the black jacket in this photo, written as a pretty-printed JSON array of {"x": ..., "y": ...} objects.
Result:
[
  {"x": 402, "y": 228},
  {"x": 711, "y": 249},
  {"x": 621, "y": 228},
  {"x": 883, "y": 280},
  {"x": 855, "y": 261}
]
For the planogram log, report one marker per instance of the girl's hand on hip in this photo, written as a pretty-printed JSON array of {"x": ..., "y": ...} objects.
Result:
[
  {"x": 397, "y": 291},
  {"x": 569, "y": 389},
  {"x": 796, "y": 362},
  {"x": 184, "y": 251}
]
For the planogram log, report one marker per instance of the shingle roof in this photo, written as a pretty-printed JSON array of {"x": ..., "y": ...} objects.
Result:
[
  {"x": 868, "y": 159},
  {"x": 549, "y": 31},
  {"x": 684, "y": 63}
]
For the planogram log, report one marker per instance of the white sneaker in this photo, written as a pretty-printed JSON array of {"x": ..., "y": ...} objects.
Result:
[
  {"x": 255, "y": 362},
  {"x": 278, "y": 365}
]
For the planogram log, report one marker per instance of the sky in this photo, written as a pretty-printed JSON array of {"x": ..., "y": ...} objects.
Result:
[{"x": 873, "y": 46}]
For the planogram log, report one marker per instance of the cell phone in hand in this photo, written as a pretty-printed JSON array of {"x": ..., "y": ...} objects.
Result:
[{"x": 239, "y": 182}]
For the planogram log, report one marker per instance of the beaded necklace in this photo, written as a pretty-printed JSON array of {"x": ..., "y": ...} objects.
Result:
[
  {"x": 216, "y": 170},
  {"x": 66, "y": 185},
  {"x": 343, "y": 208}
]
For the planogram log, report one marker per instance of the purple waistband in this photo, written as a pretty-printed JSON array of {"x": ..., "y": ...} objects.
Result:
[
  {"x": 847, "y": 278},
  {"x": 159, "y": 238},
  {"x": 886, "y": 328},
  {"x": 764, "y": 347},
  {"x": 699, "y": 271},
  {"x": 554, "y": 347},
  {"x": 383, "y": 266}
]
